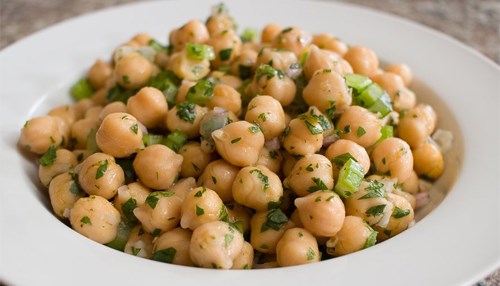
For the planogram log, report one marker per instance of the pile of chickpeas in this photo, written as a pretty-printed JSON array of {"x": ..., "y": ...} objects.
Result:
[{"x": 252, "y": 182}]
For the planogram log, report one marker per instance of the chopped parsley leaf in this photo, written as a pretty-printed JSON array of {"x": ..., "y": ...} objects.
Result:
[
  {"x": 103, "y": 166},
  {"x": 375, "y": 210},
  {"x": 49, "y": 157}
]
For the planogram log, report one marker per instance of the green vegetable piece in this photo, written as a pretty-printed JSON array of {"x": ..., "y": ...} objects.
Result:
[
  {"x": 375, "y": 210},
  {"x": 166, "y": 255},
  {"x": 319, "y": 185},
  {"x": 350, "y": 177},
  {"x": 103, "y": 166},
  {"x": 128, "y": 210},
  {"x": 157, "y": 46},
  {"x": 341, "y": 159},
  {"x": 372, "y": 238},
  {"x": 199, "y": 211},
  {"x": 275, "y": 220},
  {"x": 249, "y": 35},
  {"x": 199, "y": 52},
  {"x": 200, "y": 93},
  {"x": 225, "y": 54},
  {"x": 399, "y": 213},
  {"x": 369, "y": 96},
  {"x": 374, "y": 190},
  {"x": 357, "y": 82},
  {"x": 175, "y": 140},
  {"x": 387, "y": 131},
  {"x": 124, "y": 230},
  {"x": 81, "y": 90},
  {"x": 168, "y": 83},
  {"x": 151, "y": 139},
  {"x": 154, "y": 197},
  {"x": 269, "y": 72},
  {"x": 49, "y": 157},
  {"x": 382, "y": 106},
  {"x": 186, "y": 111}
]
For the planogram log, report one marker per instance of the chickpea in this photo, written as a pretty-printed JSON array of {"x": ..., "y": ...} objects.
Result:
[
  {"x": 370, "y": 203},
  {"x": 270, "y": 159},
  {"x": 149, "y": 106},
  {"x": 133, "y": 71},
  {"x": 243, "y": 65},
  {"x": 119, "y": 135},
  {"x": 321, "y": 212},
  {"x": 215, "y": 245},
  {"x": 390, "y": 82},
  {"x": 295, "y": 218},
  {"x": 66, "y": 113},
  {"x": 221, "y": 77},
  {"x": 186, "y": 117},
  {"x": 393, "y": 156},
  {"x": 100, "y": 175},
  {"x": 245, "y": 259},
  {"x": 64, "y": 161},
  {"x": 270, "y": 32},
  {"x": 142, "y": 38},
  {"x": 304, "y": 135},
  {"x": 239, "y": 216},
  {"x": 311, "y": 173},
  {"x": 129, "y": 197},
  {"x": 405, "y": 99},
  {"x": 363, "y": 60},
  {"x": 81, "y": 130},
  {"x": 401, "y": 217},
  {"x": 227, "y": 47},
  {"x": 268, "y": 113},
  {"x": 359, "y": 125},
  {"x": 296, "y": 247},
  {"x": 63, "y": 193},
  {"x": 279, "y": 86},
  {"x": 157, "y": 166},
  {"x": 326, "y": 89},
  {"x": 354, "y": 235},
  {"x": 201, "y": 206},
  {"x": 113, "y": 107},
  {"x": 194, "y": 160},
  {"x": 193, "y": 31},
  {"x": 329, "y": 42},
  {"x": 428, "y": 160},
  {"x": 81, "y": 106},
  {"x": 219, "y": 22},
  {"x": 293, "y": 39},
  {"x": 139, "y": 243},
  {"x": 321, "y": 60},
  {"x": 99, "y": 73},
  {"x": 187, "y": 68},
  {"x": 410, "y": 185},
  {"x": 257, "y": 187},
  {"x": 267, "y": 228},
  {"x": 341, "y": 147},
  {"x": 39, "y": 133},
  {"x": 96, "y": 218},
  {"x": 403, "y": 71},
  {"x": 93, "y": 113},
  {"x": 278, "y": 59},
  {"x": 173, "y": 247},
  {"x": 239, "y": 143},
  {"x": 160, "y": 213},
  {"x": 182, "y": 187},
  {"x": 219, "y": 176},
  {"x": 226, "y": 97},
  {"x": 417, "y": 125}
]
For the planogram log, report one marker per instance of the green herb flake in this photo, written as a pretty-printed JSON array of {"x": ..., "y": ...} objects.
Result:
[
  {"x": 361, "y": 131},
  {"x": 186, "y": 111},
  {"x": 286, "y": 30},
  {"x": 340, "y": 160},
  {"x": 301, "y": 234},
  {"x": 310, "y": 254},
  {"x": 399, "y": 213},
  {"x": 199, "y": 52},
  {"x": 195, "y": 167},
  {"x": 374, "y": 190},
  {"x": 235, "y": 140},
  {"x": 388, "y": 232},
  {"x": 319, "y": 185},
  {"x": 372, "y": 238},
  {"x": 200, "y": 193},
  {"x": 103, "y": 166},
  {"x": 26, "y": 124},
  {"x": 214, "y": 180},
  {"x": 128, "y": 209},
  {"x": 135, "y": 250},
  {"x": 347, "y": 129},
  {"x": 254, "y": 129},
  {"x": 49, "y": 157},
  {"x": 309, "y": 168},
  {"x": 154, "y": 197},
  {"x": 275, "y": 219},
  {"x": 318, "y": 199},
  {"x": 86, "y": 220},
  {"x": 165, "y": 255},
  {"x": 134, "y": 127},
  {"x": 225, "y": 54},
  {"x": 375, "y": 210},
  {"x": 199, "y": 211},
  {"x": 126, "y": 79},
  {"x": 262, "y": 116},
  {"x": 273, "y": 154},
  {"x": 273, "y": 205},
  {"x": 228, "y": 238},
  {"x": 223, "y": 215},
  {"x": 263, "y": 178},
  {"x": 330, "y": 198}
]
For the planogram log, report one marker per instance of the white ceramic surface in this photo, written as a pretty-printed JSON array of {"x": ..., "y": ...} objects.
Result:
[{"x": 458, "y": 243}]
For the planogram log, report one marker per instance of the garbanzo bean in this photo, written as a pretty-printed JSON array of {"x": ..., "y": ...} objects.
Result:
[
  {"x": 161, "y": 212},
  {"x": 200, "y": 206},
  {"x": 393, "y": 84},
  {"x": 63, "y": 193},
  {"x": 269, "y": 32},
  {"x": 149, "y": 106},
  {"x": 403, "y": 71},
  {"x": 245, "y": 259},
  {"x": 227, "y": 79},
  {"x": 220, "y": 21},
  {"x": 96, "y": 218},
  {"x": 340, "y": 148},
  {"x": 267, "y": 228},
  {"x": 363, "y": 60},
  {"x": 173, "y": 247},
  {"x": 354, "y": 235},
  {"x": 311, "y": 173},
  {"x": 193, "y": 31},
  {"x": 99, "y": 73},
  {"x": 417, "y": 125},
  {"x": 278, "y": 59},
  {"x": 320, "y": 60},
  {"x": 370, "y": 203},
  {"x": 119, "y": 135},
  {"x": 215, "y": 245},
  {"x": 186, "y": 117},
  {"x": 129, "y": 197},
  {"x": 401, "y": 217},
  {"x": 410, "y": 185},
  {"x": 268, "y": 113},
  {"x": 100, "y": 175},
  {"x": 243, "y": 65},
  {"x": 257, "y": 188},
  {"x": 293, "y": 39},
  {"x": 359, "y": 125},
  {"x": 182, "y": 187},
  {"x": 64, "y": 161},
  {"x": 239, "y": 143},
  {"x": 194, "y": 160},
  {"x": 133, "y": 71},
  {"x": 187, "y": 68},
  {"x": 226, "y": 97},
  {"x": 428, "y": 160},
  {"x": 157, "y": 166},
  {"x": 139, "y": 243},
  {"x": 321, "y": 212},
  {"x": 278, "y": 85},
  {"x": 303, "y": 135},
  {"x": 296, "y": 247},
  {"x": 39, "y": 133},
  {"x": 219, "y": 176},
  {"x": 65, "y": 112},
  {"x": 329, "y": 42},
  {"x": 271, "y": 159},
  {"x": 393, "y": 156},
  {"x": 327, "y": 89},
  {"x": 227, "y": 47},
  {"x": 113, "y": 107},
  {"x": 239, "y": 216}
]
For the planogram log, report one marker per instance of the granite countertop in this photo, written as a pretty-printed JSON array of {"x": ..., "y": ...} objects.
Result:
[{"x": 473, "y": 22}]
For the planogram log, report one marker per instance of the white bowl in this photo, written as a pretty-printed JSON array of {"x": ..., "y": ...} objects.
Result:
[{"x": 457, "y": 243}]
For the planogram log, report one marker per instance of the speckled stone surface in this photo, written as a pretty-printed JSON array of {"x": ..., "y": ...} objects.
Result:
[{"x": 473, "y": 22}]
